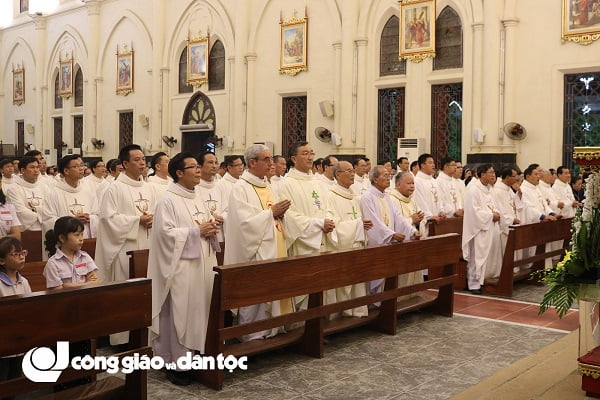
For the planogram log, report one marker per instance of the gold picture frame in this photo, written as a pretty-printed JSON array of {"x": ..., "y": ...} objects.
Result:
[
  {"x": 580, "y": 21},
  {"x": 197, "y": 61},
  {"x": 293, "y": 50},
  {"x": 417, "y": 30},
  {"x": 65, "y": 83},
  {"x": 18, "y": 86},
  {"x": 124, "y": 71}
]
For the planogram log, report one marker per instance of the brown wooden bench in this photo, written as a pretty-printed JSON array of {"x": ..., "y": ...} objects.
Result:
[
  {"x": 41, "y": 319},
  {"x": 138, "y": 263},
  {"x": 33, "y": 271},
  {"x": 522, "y": 237},
  {"x": 32, "y": 242},
  {"x": 89, "y": 246},
  {"x": 253, "y": 283},
  {"x": 451, "y": 225}
]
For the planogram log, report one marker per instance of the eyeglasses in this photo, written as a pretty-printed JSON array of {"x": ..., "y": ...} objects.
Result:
[
  {"x": 16, "y": 254},
  {"x": 265, "y": 159},
  {"x": 193, "y": 166}
]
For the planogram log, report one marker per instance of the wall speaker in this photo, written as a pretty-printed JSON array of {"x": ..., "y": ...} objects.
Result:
[{"x": 326, "y": 107}]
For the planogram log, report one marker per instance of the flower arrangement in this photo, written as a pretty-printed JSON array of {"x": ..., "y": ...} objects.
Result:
[{"x": 580, "y": 267}]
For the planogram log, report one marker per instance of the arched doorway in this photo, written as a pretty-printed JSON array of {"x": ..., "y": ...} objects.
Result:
[{"x": 198, "y": 125}]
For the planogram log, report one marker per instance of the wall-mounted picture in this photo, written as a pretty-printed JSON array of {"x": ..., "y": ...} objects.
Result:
[
  {"x": 197, "y": 62},
  {"x": 581, "y": 21},
  {"x": 124, "y": 72},
  {"x": 18, "y": 86},
  {"x": 293, "y": 51},
  {"x": 417, "y": 30},
  {"x": 65, "y": 88}
]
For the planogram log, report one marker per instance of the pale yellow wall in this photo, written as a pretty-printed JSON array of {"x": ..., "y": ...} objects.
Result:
[{"x": 249, "y": 108}]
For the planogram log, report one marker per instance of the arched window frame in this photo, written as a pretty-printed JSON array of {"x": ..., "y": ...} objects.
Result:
[
  {"x": 58, "y": 101},
  {"x": 389, "y": 49},
  {"x": 78, "y": 92},
  {"x": 182, "y": 86},
  {"x": 448, "y": 40},
  {"x": 216, "y": 66}
]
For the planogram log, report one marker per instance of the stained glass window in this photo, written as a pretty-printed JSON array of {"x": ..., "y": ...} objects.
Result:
[
  {"x": 446, "y": 121},
  {"x": 58, "y": 101},
  {"x": 389, "y": 49},
  {"x": 293, "y": 122},
  {"x": 390, "y": 122},
  {"x": 78, "y": 89},
  {"x": 183, "y": 86},
  {"x": 216, "y": 67},
  {"x": 448, "y": 40}
]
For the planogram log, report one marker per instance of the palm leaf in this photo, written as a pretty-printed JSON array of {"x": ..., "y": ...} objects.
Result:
[{"x": 560, "y": 297}]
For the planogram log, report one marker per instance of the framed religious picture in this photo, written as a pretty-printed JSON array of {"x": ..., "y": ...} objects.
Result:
[
  {"x": 580, "y": 21},
  {"x": 18, "y": 86},
  {"x": 293, "y": 46},
  {"x": 197, "y": 61},
  {"x": 124, "y": 71},
  {"x": 23, "y": 6},
  {"x": 65, "y": 84},
  {"x": 417, "y": 30}
]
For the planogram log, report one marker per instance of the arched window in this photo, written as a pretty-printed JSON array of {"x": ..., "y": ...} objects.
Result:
[
  {"x": 58, "y": 101},
  {"x": 448, "y": 40},
  {"x": 183, "y": 86},
  {"x": 78, "y": 88},
  {"x": 389, "y": 49},
  {"x": 216, "y": 67}
]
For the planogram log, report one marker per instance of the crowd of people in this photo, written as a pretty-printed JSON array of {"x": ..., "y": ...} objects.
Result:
[{"x": 193, "y": 213}]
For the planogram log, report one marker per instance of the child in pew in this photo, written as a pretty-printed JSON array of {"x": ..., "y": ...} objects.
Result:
[
  {"x": 12, "y": 261},
  {"x": 68, "y": 266}
]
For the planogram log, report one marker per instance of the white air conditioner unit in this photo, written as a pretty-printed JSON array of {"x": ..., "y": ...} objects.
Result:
[
  {"x": 73, "y": 150},
  {"x": 270, "y": 145},
  {"x": 50, "y": 156},
  {"x": 411, "y": 148}
]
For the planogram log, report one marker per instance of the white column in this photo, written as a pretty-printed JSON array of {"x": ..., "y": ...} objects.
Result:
[
  {"x": 510, "y": 68},
  {"x": 43, "y": 138},
  {"x": 90, "y": 102},
  {"x": 477, "y": 79},
  {"x": 359, "y": 96},
  {"x": 153, "y": 133},
  {"x": 250, "y": 103},
  {"x": 230, "y": 90},
  {"x": 345, "y": 106},
  {"x": 337, "y": 88},
  {"x": 242, "y": 17}
]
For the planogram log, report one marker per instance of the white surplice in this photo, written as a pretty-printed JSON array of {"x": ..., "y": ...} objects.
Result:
[
  {"x": 181, "y": 268},
  {"x": 451, "y": 197},
  {"x": 481, "y": 236},
  {"x": 564, "y": 193},
  {"x": 214, "y": 203},
  {"x": 349, "y": 233},
  {"x": 377, "y": 207},
  {"x": 361, "y": 184},
  {"x": 159, "y": 185},
  {"x": 28, "y": 200},
  {"x": 66, "y": 200},
  {"x": 427, "y": 195}
]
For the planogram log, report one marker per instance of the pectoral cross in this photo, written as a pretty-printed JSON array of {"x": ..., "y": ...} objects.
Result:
[
  {"x": 33, "y": 202},
  {"x": 353, "y": 213},
  {"x": 76, "y": 208},
  {"x": 142, "y": 204}
]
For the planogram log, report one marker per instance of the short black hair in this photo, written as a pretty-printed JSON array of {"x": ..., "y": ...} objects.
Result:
[
  {"x": 412, "y": 164},
  {"x": 446, "y": 161},
  {"x": 202, "y": 156},
  {"x": 483, "y": 168},
  {"x": 124, "y": 153},
  {"x": 33, "y": 153},
  {"x": 357, "y": 160},
  {"x": 293, "y": 150},
  {"x": 25, "y": 161},
  {"x": 318, "y": 162},
  {"x": 559, "y": 170},
  {"x": 327, "y": 161},
  {"x": 529, "y": 170},
  {"x": 112, "y": 164},
  {"x": 506, "y": 171},
  {"x": 229, "y": 160},
  {"x": 63, "y": 163},
  {"x": 277, "y": 157},
  {"x": 423, "y": 158},
  {"x": 177, "y": 163},
  {"x": 156, "y": 159},
  {"x": 5, "y": 161},
  {"x": 399, "y": 161},
  {"x": 94, "y": 163}
]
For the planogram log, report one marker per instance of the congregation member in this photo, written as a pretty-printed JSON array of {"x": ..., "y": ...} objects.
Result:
[
  {"x": 280, "y": 170},
  {"x": 44, "y": 177},
  {"x": 180, "y": 266},
  {"x": 389, "y": 225},
  {"x": 215, "y": 205},
  {"x": 507, "y": 202},
  {"x": 327, "y": 178},
  {"x": 70, "y": 197},
  {"x": 257, "y": 217},
  {"x": 427, "y": 192},
  {"x": 234, "y": 166},
  {"x": 114, "y": 168},
  {"x": 402, "y": 164},
  {"x": 27, "y": 194},
  {"x": 536, "y": 207},
  {"x": 459, "y": 182},
  {"x": 361, "y": 177},
  {"x": 481, "y": 245},
  {"x": 547, "y": 179},
  {"x": 306, "y": 221},
  {"x": 449, "y": 188},
  {"x": 160, "y": 179},
  {"x": 96, "y": 179},
  {"x": 125, "y": 220},
  {"x": 564, "y": 193},
  {"x": 349, "y": 233},
  {"x": 401, "y": 197},
  {"x": 414, "y": 167},
  {"x": 7, "y": 170},
  {"x": 577, "y": 187}
]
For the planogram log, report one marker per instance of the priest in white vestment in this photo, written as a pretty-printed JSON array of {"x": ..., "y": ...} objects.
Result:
[
  {"x": 280, "y": 171},
  {"x": 212, "y": 195},
  {"x": 427, "y": 193},
  {"x": 125, "y": 220},
  {"x": 159, "y": 180},
  {"x": 361, "y": 177},
  {"x": 451, "y": 196},
  {"x": 389, "y": 225},
  {"x": 96, "y": 180},
  {"x": 181, "y": 265},
  {"x": 349, "y": 233},
  {"x": 234, "y": 165},
  {"x": 258, "y": 234},
  {"x": 327, "y": 178},
  {"x": 546, "y": 181},
  {"x": 564, "y": 193},
  {"x": 7, "y": 170},
  {"x": 505, "y": 200},
  {"x": 306, "y": 221},
  {"x": 70, "y": 197},
  {"x": 27, "y": 194},
  {"x": 481, "y": 231},
  {"x": 401, "y": 197}
]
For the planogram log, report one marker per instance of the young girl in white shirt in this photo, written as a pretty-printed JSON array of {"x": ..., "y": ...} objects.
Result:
[{"x": 68, "y": 265}]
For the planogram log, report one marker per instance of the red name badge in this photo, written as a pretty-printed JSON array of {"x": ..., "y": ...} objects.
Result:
[
  {"x": 80, "y": 265},
  {"x": 5, "y": 212}
]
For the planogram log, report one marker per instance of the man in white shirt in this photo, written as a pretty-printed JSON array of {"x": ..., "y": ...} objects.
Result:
[
  {"x": 505, "y": 200},
  {"x": 327, "y": 178},
  {"x": 234, "y": 166},
  {"x": 564, "y": 193},
  {"x": 159, "y": 181},
  {"x": 402, "y": 164},
  {"x": 361, "y": 177},
  {"x": 451, "y": 196},
  {"x": 96, "y": 180},
  {"x": 280, "y": 170},
  {"x": 427, "y": 192}
]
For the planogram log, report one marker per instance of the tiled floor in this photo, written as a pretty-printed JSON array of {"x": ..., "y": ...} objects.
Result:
[{"x": 431, "y": 357}]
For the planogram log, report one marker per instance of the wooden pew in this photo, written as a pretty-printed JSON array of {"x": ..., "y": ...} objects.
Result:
[
  {"x": 32, "y": 242},
  {"x": 247, "y": 284},
  {"x": 42, "y": 319},
  {"x": 451, "y": 225},
  {"x": 523, "y": 237},
  {"x": 138, "y": 263},
  {"x": 33, "y": 271},
  {"x": 89, "y": 246}
]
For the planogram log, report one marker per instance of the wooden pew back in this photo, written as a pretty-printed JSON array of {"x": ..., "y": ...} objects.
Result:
[
  {"x": 89, "y": 246},
  {"x": 32, "y": 242},
  {"x": 33, "y": 271},
  {"x": 451, "y": 225},
  {"x": 138, "y": 263},
  {"x": 43, "y": 318},
  {"x": 521, "y": 237}
]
